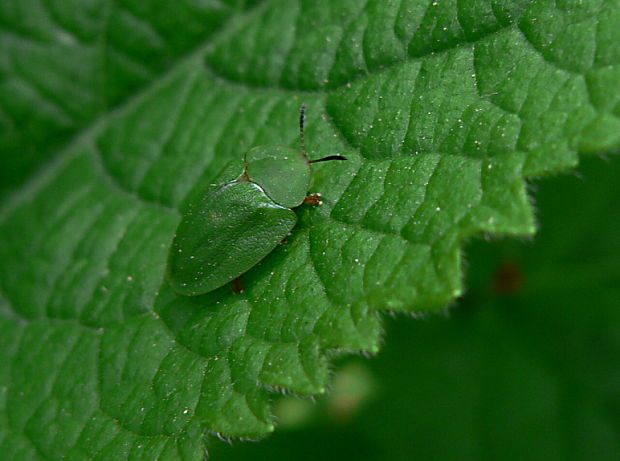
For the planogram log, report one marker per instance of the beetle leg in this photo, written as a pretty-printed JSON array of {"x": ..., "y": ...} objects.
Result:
[
  {"x": 237, "y": 286},
  {"x": 313, "y": 199}
]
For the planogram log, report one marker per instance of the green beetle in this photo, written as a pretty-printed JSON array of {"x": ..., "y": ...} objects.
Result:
[{"x": 229, "y": 230}]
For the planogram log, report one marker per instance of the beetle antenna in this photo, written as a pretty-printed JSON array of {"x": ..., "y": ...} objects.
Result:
[
  {"x": 302, "y": 121},
  {"x": 329, "y": 157}
]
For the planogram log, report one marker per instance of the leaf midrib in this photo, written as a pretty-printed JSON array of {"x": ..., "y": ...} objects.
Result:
[{"x": 65, "y": 151}]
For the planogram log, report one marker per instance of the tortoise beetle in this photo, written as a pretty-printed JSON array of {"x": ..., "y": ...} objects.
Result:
[{"x": 226, "y": 232}]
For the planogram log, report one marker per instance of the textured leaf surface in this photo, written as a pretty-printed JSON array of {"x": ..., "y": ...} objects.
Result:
[
  {"x": 442, "y": 108},
  {"x": 65, "y": 63},
  {"x": 525, "y": 368}
]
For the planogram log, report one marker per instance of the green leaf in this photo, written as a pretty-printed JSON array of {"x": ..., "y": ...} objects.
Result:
[
  {"x": 443, "y": 110},
  {"x": 525, "y": 368},
  {"x": 67, "y": 63}
]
